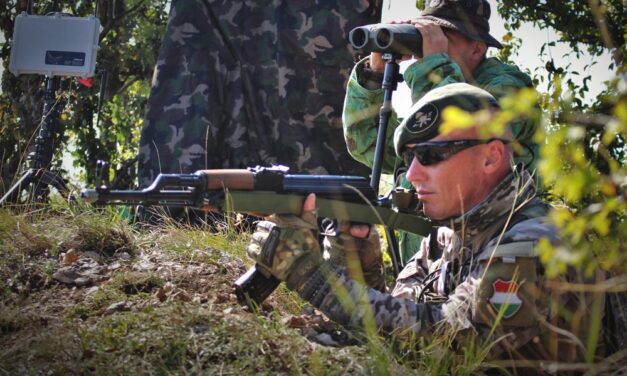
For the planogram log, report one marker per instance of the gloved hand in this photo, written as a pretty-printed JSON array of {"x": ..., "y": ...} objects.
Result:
[
  {"x": 361, "y": 256},
  {"x": 287, "y": 247}
]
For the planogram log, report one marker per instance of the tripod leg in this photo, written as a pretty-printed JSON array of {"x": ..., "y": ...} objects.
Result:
[{"x": 13, "y": 194}]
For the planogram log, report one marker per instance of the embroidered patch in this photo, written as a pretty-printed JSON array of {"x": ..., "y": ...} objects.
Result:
[
  {"x": 505, "y": 294},
  {"x": 423, "y": 119}
]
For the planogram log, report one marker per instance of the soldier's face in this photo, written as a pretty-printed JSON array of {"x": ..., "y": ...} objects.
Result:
[
  {"x": 465, "y": 52},
  {"x": 454, "y": 185}
]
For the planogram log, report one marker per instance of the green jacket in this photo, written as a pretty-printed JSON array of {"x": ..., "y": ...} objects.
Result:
[
  {"x": 361, "y": 106},
  {"x": 361, "y": 110}
]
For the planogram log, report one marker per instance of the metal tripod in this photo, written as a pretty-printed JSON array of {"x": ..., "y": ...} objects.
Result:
[
  {"x": 391, "y": 78},
  {"x": 35, "y": 184}
]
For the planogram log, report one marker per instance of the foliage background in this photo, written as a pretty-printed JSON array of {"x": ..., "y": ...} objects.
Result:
[
  {"x": 584, "y": 153},
  {"x": 129, "y": 43}
]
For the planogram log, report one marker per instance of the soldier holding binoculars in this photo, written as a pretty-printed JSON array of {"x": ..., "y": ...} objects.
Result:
[{"x": 455, "y": 38}]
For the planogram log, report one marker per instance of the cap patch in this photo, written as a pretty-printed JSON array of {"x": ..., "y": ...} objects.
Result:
[{"x": 424, "y": 119}]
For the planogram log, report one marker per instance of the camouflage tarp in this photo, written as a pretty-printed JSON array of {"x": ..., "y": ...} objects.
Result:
[{"x": 244, "y": 83}]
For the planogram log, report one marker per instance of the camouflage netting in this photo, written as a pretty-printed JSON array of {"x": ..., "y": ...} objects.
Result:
[{"x": 239, "y": 84}]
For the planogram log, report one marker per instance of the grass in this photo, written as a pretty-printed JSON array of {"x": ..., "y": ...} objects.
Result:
[
  {"x": 179, "y": 315},
  {"x": 166, "y": 306}
]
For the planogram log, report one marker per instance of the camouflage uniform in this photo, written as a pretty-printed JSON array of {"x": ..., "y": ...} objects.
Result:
[
  {"x": 488, "y": 267},
  {"x": 361, "y": 106},
  {"x": 240, "y": 83},
  {"x": 361, "y": 109}
]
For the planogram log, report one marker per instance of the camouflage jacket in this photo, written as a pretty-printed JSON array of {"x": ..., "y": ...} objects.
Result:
[
  {"x": 361, "y": 109},
  {"x": 361, "y": 106},
  {"x": 483, "y": 270},
  {"x": 245, "y": 83}
]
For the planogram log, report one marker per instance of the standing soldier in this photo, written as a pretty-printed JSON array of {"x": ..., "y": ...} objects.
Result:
[{"x": 239, "y": 84}]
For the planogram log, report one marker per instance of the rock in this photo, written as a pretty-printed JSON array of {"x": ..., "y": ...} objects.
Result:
[
  {"x": 66, "y": 275},
  {"x": 92, "y": 290},
  {"x": 124, "y": 256},
  {"x": 82, "y": 281},
  {"x": 117, "y": 307},
  {"x": 324, "y": 339},
  {"x": 93, "y": 255},
  {"x": 82, "y": 272}
]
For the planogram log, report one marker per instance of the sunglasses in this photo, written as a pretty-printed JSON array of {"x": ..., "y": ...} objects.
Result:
[{"x": 430, "y": 153}]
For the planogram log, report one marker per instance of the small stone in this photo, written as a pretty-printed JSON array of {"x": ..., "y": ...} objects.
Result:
[
  {"x": 93, "y": 255},
  {"x": 124, "y": 256},
  {"x": 92, "y": 290},
  {"x": 82, "y": 281},
  {"x": 66, "y": 275},
  {"x": 324, "y": 339},
  {"x": 117, "y": 307}
]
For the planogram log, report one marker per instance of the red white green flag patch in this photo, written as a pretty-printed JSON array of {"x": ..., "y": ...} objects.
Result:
[{"x": 505, "y": 295}]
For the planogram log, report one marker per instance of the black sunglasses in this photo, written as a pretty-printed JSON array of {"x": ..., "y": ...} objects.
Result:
[{"x": 430, "y": 153}]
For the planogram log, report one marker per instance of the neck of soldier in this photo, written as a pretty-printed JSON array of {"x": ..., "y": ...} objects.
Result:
[
  {"x": 469, "y": 68},
  {"x": 493, "y": 213}
]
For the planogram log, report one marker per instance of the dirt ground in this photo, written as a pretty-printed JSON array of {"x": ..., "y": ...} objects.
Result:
[{"x": 83, "y": 297}]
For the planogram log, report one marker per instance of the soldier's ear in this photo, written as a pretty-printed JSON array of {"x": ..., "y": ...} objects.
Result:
[
  {"x": 495, "y": 155},
  {"x": 479, "y": 49}
]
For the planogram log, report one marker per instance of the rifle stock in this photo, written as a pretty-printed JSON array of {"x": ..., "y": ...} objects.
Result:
[{"x": 263, "y": 191}]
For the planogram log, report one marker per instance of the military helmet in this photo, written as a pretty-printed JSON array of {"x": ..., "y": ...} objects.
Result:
[{"x": 425, "y": 117}]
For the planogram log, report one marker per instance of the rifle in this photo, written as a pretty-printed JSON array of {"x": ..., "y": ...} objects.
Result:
[{"x": 263, "y": 191}]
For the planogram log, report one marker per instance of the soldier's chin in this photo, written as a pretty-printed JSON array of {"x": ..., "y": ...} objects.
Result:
[
  {"x": 432, "y": 213},
  {"x": 437, "y": 214}
]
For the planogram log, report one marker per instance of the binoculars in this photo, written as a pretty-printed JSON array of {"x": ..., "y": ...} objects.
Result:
[{"x": 402, "y": 39}]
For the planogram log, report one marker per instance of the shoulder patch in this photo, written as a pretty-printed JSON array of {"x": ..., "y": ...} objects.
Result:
[
  {"x": 505, "y": 296},
  {"x": 510, "y": 289}
]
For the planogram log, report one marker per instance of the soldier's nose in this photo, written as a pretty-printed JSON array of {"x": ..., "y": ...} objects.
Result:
[{"x": 416, "y": 172}]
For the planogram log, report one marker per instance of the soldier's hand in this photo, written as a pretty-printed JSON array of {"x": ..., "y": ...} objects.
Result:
[
  {"x": 287, "y": 247},
  {"x": 433, "y": 38},
  {"x": 358, "y": 249},
  {"x": 377, "y": 63}
]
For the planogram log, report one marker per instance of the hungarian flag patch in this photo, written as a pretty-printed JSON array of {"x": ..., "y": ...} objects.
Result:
[{"x": 505, "y": 294}]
